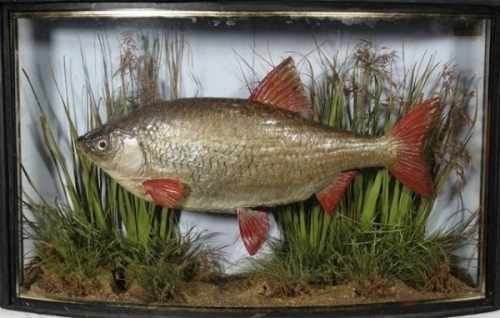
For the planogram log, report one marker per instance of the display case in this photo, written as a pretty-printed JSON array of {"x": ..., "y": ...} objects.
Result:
[{"x": 263, "y": 158}]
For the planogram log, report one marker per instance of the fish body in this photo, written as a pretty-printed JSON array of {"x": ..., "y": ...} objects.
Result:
[{"x": 232, "y": 155}]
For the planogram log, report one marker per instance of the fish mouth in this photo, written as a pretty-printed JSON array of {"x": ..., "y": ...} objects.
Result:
[
  {"x": 80, "y": 140},
  {"x": 82, "y": 144}
]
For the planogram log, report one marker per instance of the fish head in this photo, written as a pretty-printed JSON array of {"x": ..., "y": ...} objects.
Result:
[{"x": 116, "y": 151}]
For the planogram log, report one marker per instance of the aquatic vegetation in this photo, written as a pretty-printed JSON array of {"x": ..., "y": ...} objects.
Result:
[
  {"x": 97, "y": 225},
  {"x": 379, "y": 229}
]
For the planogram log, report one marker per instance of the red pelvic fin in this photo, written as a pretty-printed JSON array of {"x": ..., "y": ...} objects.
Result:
[
  {"x": 254, "y": 226},
  {"x": 411, "y": 132},
  {"x": 164, "y": 192},
  {"x": 330, "y": 197},
  {"x": 282, "y": 88}
]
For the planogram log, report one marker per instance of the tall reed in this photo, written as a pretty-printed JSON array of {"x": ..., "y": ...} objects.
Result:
[{"x": 97, "y": 225}]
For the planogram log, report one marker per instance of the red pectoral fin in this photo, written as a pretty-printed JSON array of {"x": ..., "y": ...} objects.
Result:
[
  {"x": 164, "y": 192},
  {"x": 330, "y": 196},
  {"x": 282, "y": 88},
  {"x": 254, "y": 226}
]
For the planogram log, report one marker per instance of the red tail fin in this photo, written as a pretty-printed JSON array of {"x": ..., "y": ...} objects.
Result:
[{"x": 411, "y": 133}]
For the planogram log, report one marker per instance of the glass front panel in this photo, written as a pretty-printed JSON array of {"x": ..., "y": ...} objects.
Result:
[{"x": 251, "y": 159}]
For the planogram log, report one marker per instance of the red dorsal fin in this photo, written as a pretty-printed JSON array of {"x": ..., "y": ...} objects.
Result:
[
  {"x": 411, "y": 133},
  {"x": 164, "y": 192},
  {"x": 282, "y": 88},
  {"x": 254, "y": 226},
  {"x": 330, "y": 197}
]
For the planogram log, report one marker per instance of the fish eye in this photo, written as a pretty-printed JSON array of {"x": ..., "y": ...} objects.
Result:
[{"x": 101, "y": 144}]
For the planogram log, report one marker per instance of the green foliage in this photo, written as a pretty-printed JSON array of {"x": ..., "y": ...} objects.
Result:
[
  {"x": 76, "y": 232},
  {"x": 161, "y": 266},
  {"x": 379, "y": 226},
  {"x": 81, "y": 233}
]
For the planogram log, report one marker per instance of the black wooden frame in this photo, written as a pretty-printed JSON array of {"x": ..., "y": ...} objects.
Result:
[{"x": 8, "y": 165}]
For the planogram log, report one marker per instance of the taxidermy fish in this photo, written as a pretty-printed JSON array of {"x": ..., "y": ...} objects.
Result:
[{"x": 237, "y": 155}]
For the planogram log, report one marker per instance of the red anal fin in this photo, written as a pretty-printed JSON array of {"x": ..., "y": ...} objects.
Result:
[
  {"x": 330, "y": 197},
  {"x": 164, "y": 192},
  {"x": 254, "y": 226},
  {"x": 282, "y": 88},
  {"x": 411, "y": 132}
]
